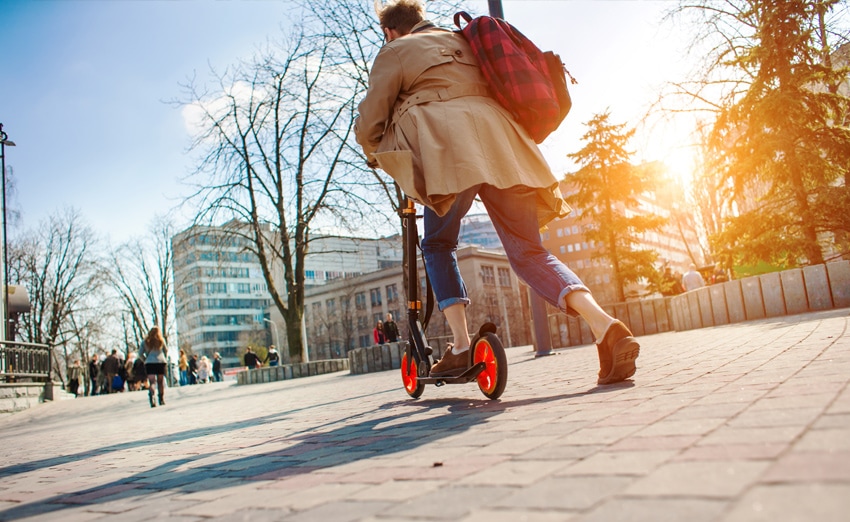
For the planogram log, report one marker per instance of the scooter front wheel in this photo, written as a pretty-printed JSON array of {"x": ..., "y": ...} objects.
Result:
[
  {"x": 410, "y": 377},
  {"x": 492, "y": 380}
]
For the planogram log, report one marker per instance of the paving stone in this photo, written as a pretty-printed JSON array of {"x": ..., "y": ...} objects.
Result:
[
  {"x": 619, "y": 463},
  {"x": 793, "y": 503},
  {"x": 454, "y": 502},
  {"x": 656, "y": 510},
  {"x": 515, "y": 473},
  {"x": 339, "y": 511},
  {"x": 566, "y": 493},
  {"x": 700, "y": 479}
]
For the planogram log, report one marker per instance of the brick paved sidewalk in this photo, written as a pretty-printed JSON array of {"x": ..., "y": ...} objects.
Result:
[{"x": 740, "y": 422}]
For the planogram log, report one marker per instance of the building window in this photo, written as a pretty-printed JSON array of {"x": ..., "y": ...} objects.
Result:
[
  {"x": 488, "y": 277},
  {"x": 317, "y": 312},
  {"x": 575, "y": 229},
  {"x": 392, "y": 294},
  {"x": 504, "y": 277},
  {"x": 360, "y": 300},
  {"x": 569, "y": 248},
  {"x": 330, "y": 304},
  {"x": 559, "y": 232},
  {"x": 215, "y": 288},
  {"x": 563, "y": 249},
  {"x": 567, "y": 231},
  {"x": 578, "y": 247},
  {"x": 375, "y": 295}
]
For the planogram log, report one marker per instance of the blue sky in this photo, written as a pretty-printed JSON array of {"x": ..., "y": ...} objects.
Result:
[{"x": 84, "y": 86}]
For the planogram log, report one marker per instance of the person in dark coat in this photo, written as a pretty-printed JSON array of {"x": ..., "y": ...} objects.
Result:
[
  {"x": 94, "y": 369},
  {"x": 216, "y": 368},
  {"x": 139, "y": 372},
  {"x": 390, "y": 329},
  {"x": 111, "y": 367},
  {"x": 251, "y": 359},
  {"x": 193, "y": 369}
]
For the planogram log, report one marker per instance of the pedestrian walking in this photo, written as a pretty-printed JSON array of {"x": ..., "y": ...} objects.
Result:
[
  {"x": 183, "y": 366},
  {"x": 422, "y": 75},
  {"x": 216, "y": 368},
  {"x": 94, "y": 369},
  {"x": 75, "y": 373},
  {"x": 139, "y": 374},
  {"x": 692, "y": 279},
  {"x": 250, "y": 358},
  {"x": 110, "y": 368},
  {"x": 378, "y": 333},
  {"x": 193, "y": 369},
  {"x": 156, "y": 359},
  {"x": 273, "y": 357},
  {"x": 204, "y": 370},
  {"x": 390, "y": 329}
]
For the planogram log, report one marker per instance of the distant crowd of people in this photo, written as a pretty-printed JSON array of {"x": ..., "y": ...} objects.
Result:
[
  {"x": 199, "y": 370},
  {"x": 145, "y": 370},
  {"x": 109, "y": 374}
]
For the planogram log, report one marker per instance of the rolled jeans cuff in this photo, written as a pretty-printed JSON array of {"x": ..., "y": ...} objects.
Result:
[
  {"x": 562, "y": 298},
  {"x": 445, "y": 303}
]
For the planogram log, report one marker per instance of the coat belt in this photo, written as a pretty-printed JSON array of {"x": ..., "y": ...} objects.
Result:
[{"x": 446, "y": 93}]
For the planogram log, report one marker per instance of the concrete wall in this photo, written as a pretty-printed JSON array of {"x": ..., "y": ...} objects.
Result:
[
  {"x": 20, "y": 396},
  {"x": 795, "y": 291},
  {"x": 290, "y": 371}
]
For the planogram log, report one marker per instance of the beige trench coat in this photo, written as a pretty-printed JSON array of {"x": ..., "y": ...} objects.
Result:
[{"x": 428, "y": 122}]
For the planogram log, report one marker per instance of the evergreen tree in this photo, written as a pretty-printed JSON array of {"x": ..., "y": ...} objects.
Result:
[
  {"x": 606, "y": 189},
  {"x": 780, "y": 139}
]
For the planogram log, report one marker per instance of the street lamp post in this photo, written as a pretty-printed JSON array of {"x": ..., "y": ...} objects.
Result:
[
  {"x": 274, "y": 332},
  {"x": 4, "y": 141}
]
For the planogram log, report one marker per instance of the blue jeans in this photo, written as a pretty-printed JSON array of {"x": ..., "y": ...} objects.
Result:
[{"x": 513, "y": 212}]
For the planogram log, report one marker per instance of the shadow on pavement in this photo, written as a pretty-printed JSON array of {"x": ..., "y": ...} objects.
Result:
[{"x": 334, "y": 444}]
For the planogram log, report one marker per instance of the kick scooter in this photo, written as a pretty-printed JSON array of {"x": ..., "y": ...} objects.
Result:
[{"x": 488, "y": 365}]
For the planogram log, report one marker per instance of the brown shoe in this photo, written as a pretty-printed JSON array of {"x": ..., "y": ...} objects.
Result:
[
  {"x": 617, "y": 353},
  {"x": 452, "y": 364}
]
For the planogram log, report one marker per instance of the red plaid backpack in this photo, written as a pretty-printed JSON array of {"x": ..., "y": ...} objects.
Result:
[{"x": 529, "y": 83}]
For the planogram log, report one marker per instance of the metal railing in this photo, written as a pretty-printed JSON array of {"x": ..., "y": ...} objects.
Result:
[{"x": 24, "y": 362}]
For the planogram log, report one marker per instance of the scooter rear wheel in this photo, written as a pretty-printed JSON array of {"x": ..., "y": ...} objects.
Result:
[
  {"x": 410, "y": 378},
  {"x": 493, "y": 379}
]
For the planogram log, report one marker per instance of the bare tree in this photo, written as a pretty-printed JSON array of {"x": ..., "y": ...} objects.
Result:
[
  {"x": 278, "y": 159},
  {"x": 141, "y": 274},
  {"x": 63, "y": 276},
  {"x": 277, "y": 162}
]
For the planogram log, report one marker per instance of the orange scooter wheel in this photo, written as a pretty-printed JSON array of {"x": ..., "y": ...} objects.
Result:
[
  {"x": 493, "y": 379},
  {"x": 410, "y": 378}
]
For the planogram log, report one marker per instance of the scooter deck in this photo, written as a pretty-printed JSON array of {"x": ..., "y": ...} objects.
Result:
[{"x": 468, "y": 376}]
